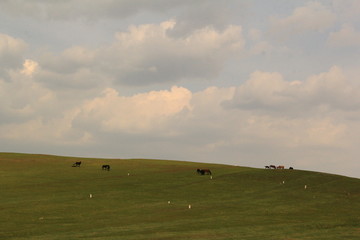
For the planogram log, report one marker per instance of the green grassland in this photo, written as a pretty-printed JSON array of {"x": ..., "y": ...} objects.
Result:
[{"x": 43, "y": 197}]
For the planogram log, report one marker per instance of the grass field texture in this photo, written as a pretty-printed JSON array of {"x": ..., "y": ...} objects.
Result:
[{"x": 43, "y": 197}]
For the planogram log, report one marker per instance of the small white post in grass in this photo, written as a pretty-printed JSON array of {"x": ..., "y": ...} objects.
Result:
[
  {"x": 90, "y": 195},
  {"x": 305, "y": 187},
  {"x": 283, "y": 182},
  {"x": 168, "y": 202},
  {"x": 211, "y": 177},
  {"x": 128, "y": 174},
  {"x": 189, "y": 206}
]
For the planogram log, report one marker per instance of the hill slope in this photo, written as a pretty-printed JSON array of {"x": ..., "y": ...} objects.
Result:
[{"x": 43, "y": 197}]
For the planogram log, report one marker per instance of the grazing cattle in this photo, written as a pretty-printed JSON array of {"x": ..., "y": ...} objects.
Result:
[
  {"x": 203, "y": 171},
  {"x": 267, "y": 167},
  {"x": 273, "y": 166},
  {"x": 76, "y": 164},
  {"x": 291, "y": 168},
  {"x": 280, "y": 167},
  {"x": 106, "y": 167}
]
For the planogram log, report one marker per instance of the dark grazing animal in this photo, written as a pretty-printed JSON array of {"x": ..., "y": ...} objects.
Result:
[
  {"x": 291, "y": 168},
  {"x": 76, "y": 164},
  {"x": 106, "y": 167},
  {"x": 203, "y": 171},
  {"x": 273, "y": 166},
  {"x": 267, "y": 167}
]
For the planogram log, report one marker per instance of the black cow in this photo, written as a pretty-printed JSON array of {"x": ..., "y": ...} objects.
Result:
[
  {"x": 106, "y": 167},
  {"x": 76, "y": 164}
]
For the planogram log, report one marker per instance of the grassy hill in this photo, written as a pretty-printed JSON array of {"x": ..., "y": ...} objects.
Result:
[{"x": 43, "y": 197}]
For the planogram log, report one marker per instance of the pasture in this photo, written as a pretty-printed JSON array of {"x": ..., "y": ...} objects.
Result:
[{"x": 43, "y": 197}]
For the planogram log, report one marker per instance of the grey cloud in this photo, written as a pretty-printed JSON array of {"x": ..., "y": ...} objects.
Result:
[
  {"x": 172, "y": 69},
  {"x": 69, "y": 61},
  {"x": 144, "y": 55},
  {"x": 81, "y": 79}
]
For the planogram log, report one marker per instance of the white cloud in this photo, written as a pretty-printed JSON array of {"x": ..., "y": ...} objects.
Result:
[
  {"x": 139, "y": 113},
  {"x": 277, "y": 114},
  {"x": 29, "y": 67},
  {"x": 199, "y": 55},
  {"x": 32, "y": 113},
  {"x": 269, "y": 91},
  {"x": 347, "y": 36},
  {"x": 312, "y": 17},
  {"x": 11, "y": 51},
  {"x": 10, "y": 45},
  {"x": 292, "y": 113},
  {"x": 265, "y": 117},
  {"x": 21, "y": 96},
  {"x": 263, "y": 90}
]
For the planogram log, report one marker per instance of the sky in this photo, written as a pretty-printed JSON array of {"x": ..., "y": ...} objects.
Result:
[{"x": 239, "y": 82}]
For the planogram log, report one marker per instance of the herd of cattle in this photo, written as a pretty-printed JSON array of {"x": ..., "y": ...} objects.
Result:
[
  {"x": 107, "y": 167},
  {"x": 199, "y": 171},
  {"x": 104, "y": 167},
  {"x": 276, "y": 167}
]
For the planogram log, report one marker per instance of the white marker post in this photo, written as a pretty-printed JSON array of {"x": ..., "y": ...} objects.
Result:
[
  {"x": 90, "y": 195},
  {"x": 189, "y": 206},
  {"x": 305, "y": 187}
]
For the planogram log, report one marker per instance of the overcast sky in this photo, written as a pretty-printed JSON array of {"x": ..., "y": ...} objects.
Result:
[{"x": 239, "y": 82}]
